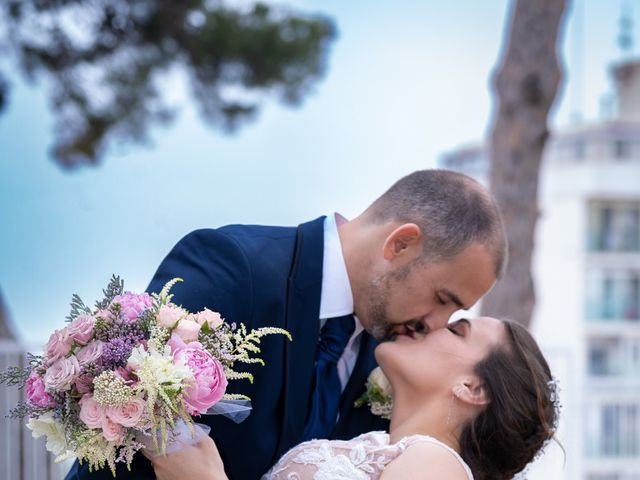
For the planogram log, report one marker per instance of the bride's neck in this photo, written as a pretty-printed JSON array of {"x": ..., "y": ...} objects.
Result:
[{"x": 436, "y": 418}]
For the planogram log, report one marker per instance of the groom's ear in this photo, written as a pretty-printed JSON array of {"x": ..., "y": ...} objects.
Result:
[
  {"x": 472, "y": 392},
  {"x": 402, "y": 241}
]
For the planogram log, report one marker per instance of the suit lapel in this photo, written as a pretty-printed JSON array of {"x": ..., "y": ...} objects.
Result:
[
  {"x": 352, "y": 421},
  {"x": 302, "y": 321}
]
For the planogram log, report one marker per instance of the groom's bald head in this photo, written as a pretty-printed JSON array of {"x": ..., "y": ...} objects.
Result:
[{"x": 452, "y": 210}]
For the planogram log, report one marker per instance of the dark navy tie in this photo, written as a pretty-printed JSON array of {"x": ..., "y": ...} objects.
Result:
[{"x": 325, "y": 399}]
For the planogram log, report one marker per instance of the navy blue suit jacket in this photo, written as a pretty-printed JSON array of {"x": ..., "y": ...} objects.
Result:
[{"x": 260, "y": 276}]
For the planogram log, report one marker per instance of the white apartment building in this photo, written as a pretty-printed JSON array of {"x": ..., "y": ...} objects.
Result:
[{"x": 587, "y": 273}]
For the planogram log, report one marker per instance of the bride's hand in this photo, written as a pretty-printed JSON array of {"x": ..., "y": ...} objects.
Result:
[{"x": 200, "y": 461}]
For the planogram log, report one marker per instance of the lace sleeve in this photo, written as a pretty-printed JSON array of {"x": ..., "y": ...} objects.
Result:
[
  {"x": 301, "y": 463},
  {"x": 319, "y": 461}
]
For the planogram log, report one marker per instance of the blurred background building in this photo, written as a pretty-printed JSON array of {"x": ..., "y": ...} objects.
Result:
[
  {"x": 587, "y": 273},
  {"x": 21, "y": 456}
]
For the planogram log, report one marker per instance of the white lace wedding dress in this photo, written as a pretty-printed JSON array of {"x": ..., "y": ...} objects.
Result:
[{"x": 362, "y": 458}]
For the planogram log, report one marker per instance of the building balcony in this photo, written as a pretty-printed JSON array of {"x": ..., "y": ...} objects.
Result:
[{"x": 612, "y": 426}]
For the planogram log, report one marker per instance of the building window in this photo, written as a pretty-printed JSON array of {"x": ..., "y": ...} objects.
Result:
[
  {"x": 613, "y": 294},
  {"x": 614, "y": 226},
  {"x": 621, "y": 149},
  {"x": 614, "y": 357},
  {"x": 580, "y": 150},
  {"x": 612, "y": 430}
]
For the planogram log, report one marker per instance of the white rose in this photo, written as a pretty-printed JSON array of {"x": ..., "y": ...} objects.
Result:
[
  {"x": 211, "y": 318},
  {"x": 46, "y": 425},
  {"x": 168, "y": 315},
  {"x": 188, "y": 330},
  {"x": 378, "y": 378}
]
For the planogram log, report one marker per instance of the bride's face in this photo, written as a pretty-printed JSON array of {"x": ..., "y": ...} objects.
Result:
[{"x": 437, "y": 362}]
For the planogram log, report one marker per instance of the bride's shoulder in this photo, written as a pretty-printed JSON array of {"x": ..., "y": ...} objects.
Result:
[{"x": 427, "y": 458}]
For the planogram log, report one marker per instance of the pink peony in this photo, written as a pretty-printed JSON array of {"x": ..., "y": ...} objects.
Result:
[
  {"x": 90, "y": 353},
  {"x": 129, "y": 414},
  {"x": 36, "y": 393},
  {"x": 132, "y": 305},
  {"x": 188, "y": 330},
  {"x": 111, "y": 431},
  {"x": 211, "y": 318},
  {"x": 58, "y": 346},
  {"x": 168, "y": 315},
  {"x": 62, "y": 374},
  {"x": 209, "y": 382},
  {"x": 81, "y": 329},
  {"x": 91, "y": 414}
]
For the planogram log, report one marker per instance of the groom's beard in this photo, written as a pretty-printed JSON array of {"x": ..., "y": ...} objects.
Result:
[{"x": 379, "y": 325}]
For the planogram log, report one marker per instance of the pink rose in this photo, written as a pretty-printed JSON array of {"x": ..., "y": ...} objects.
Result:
[
  {"x": 91, "y": 414},
  {"x": 168, "y": 315},
  {"x": 105, "y": 314},
  {"x": 127, "y": 375},
  {"x": 111, "y": 431},
  {"x": 188, "y": 330},
  {"x": 58, "y": 346},
  {"x": 62, "y": 374},
  {"x": 36, "y": 393},
  {"x": 129, "y": 414},
  {"x": 132, "y": 305},
  {"x": 90, "y": 353},
  {"x": 211, "y": 318},
  {"x": 84, "y": 384},
  {"x": 81, "y": 329},
  {"x": 209, "y": 382}
]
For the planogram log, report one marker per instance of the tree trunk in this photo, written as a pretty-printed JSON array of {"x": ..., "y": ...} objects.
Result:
[
  {"x": 525, "y": 87},
  {"x": 5, "y": 329}
]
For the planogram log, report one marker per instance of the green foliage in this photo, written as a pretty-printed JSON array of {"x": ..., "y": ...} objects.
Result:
[
  {"x": 15, "y": 376},
  {"x": 104, "y": 60},
  {"x": 77, "y": 308},
  {"x": 18, "y": 375},
  {"x": 114, "y": 288}
]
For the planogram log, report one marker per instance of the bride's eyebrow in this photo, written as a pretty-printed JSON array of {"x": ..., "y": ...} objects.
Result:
[
  {"x": 464, "y": 320},
  {"x": 454, "y": 298}
]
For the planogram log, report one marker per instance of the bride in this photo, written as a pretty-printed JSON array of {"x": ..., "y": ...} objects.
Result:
[{"x": 473, "y": 401}]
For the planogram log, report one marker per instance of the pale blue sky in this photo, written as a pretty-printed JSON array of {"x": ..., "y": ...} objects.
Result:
[{"x": 407, "y": 81}]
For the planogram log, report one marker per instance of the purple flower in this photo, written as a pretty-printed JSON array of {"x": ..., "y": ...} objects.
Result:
[
  {"x": 132, "y": 305},
  {"x": 116, "y": 352}
]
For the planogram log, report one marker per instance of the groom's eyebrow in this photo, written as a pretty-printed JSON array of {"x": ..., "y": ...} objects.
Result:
[{"x": 454, "y": 298}]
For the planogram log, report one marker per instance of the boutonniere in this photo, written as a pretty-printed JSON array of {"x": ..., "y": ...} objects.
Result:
[{"x": 378, "y": 394}]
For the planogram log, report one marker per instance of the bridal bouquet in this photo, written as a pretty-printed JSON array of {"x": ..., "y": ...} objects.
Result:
[{"x": 125, "y": 374}]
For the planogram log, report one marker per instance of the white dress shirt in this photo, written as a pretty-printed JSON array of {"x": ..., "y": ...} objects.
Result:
[{"x": 336, "y": 298}]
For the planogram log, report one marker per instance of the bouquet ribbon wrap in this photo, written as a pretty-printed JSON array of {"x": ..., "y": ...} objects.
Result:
[{"x": 183, "y": 435}]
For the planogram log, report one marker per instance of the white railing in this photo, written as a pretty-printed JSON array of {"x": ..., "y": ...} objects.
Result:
[
  {"x": 612, "y": 435},
  {"x": 21, "y": 456}
]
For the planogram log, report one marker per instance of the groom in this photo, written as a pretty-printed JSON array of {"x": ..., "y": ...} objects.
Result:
[{"x": 432, "y": 244}]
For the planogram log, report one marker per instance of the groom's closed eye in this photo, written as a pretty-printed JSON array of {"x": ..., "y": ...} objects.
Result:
[{"x": 445, "y": 296}]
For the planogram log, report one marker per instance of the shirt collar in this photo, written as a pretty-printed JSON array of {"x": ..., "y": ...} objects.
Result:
[{"x": 336, "y": 298}]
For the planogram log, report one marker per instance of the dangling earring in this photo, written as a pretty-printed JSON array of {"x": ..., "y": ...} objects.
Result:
[{"x": 449, "y": 409}]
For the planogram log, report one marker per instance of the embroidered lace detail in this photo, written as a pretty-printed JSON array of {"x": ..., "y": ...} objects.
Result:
[{"x": 362, "y": 458}]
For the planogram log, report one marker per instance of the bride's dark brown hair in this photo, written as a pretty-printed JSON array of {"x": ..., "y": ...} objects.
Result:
[{"x": 521, "y": 415}]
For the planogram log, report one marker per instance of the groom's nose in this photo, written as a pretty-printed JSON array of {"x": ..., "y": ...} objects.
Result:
[{"x": 433, "y": 322}]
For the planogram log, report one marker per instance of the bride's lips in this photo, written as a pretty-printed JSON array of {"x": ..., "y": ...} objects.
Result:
[
  {"x": 401, "y": 330},
  {"x": 412, "y": 329}
]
